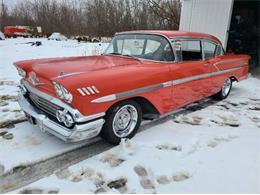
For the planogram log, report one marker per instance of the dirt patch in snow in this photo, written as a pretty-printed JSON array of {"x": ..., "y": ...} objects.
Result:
[
  {"x": 2, "y": 169},
  {"x": 10, "y": 83},
  {"x": 222, "y": 138},
  {"x": 194, "y": 120},
  {"x": 163, "y": 179},
  {"x": 2, "y": 133},
  {"x": 212, "y": 144},
  {"x": 32, "y": 141},
  {"x": 147, "y": 183},
  {"x": 39, "y": 191},
  {"x": 111, "y": 159},
  {"x": 145, "y": 179},
  {"x": 8, "y": 98},
  {"x": 10, "y": 123},
  {"x": 88, "y": 172},
  {"x": 8, "y": 136},
  {"x": 178, "y": 177},
  {"x": 63, "y": 174},
  {"x": 76, "y": 178},
  {"x": 117, "y": 184},
  {"x": 181, "y": 176},
  {"x": 5, "y": 135},
  {"x": 169, "y": 147},
  {"x": 256, "y": 108},
  {"x": 140, "y": 171}
]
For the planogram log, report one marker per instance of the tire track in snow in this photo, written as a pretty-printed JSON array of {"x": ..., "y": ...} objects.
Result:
[{"x": 23, "y": 175}]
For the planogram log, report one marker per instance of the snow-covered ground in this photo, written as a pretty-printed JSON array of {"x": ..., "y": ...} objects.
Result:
[
  {"x": 213, "y": 150},
  {"x": 30, "y": 145}
]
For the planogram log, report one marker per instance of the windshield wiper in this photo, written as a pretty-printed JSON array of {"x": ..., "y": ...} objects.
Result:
[
  {"x": 119, "y": 54},
  {"x": 114, "y": 53}
]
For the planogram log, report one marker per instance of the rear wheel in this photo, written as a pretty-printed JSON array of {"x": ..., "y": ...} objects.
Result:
[
  {"x": 122, "y": 121},
  {"x": 225, "y": 90}
]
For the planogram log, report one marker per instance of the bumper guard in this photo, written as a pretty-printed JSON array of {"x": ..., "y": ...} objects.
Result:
[{"x": 80, "y": 132}]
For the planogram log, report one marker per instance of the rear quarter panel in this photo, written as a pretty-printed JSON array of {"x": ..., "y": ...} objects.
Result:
[{"x": 238, "y": 66}]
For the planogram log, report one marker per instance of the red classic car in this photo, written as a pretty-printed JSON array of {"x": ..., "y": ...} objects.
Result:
[{"x": 141, "y": 75}]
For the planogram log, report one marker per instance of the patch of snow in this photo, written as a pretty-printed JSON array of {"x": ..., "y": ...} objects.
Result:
[
  {"x": 58, "y": 37},
  {"x": 29, "y": 145}
]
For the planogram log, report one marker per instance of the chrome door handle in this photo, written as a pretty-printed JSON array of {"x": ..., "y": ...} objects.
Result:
[{"x": 207, "y": 64}]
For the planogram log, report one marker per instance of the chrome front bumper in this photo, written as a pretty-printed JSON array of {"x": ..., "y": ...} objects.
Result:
[{"x": 80, "y": 132}]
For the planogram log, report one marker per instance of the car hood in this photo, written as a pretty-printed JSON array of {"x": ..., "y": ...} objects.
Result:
[{"x": 57, "y": 67}]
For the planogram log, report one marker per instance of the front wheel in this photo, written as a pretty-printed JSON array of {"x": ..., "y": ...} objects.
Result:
[
  {"x": 225, "y": 90},
  {"x": 122, "y": 121}
]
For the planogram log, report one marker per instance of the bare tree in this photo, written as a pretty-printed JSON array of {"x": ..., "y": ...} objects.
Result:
[
  {"x": 168, "y": 12},
  {"x": 94, "y": 17}
]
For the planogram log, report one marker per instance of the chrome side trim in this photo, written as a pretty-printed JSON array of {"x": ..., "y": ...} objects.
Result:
[
  {"x": 107, "y": 98},
  {"x": 140, "y": 90},
  {"x": 69, "y": 74},
  {"x": 161, "y": 85},
  {"x": 201, "y": 76},
  {"x": 78, "y": 117}
]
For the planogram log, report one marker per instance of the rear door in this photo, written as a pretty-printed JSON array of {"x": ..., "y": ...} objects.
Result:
[
  {"x": 212, "y": 52},
  {"x": 190, "y": 75}
]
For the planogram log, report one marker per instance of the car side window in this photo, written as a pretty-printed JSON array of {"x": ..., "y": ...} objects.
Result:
[
  {"x": 188, "y": 50},
  {"x": 210, "y": 49},
  {"x": 152, "y": 46},
  {"x": 220, "y": 51},
  {"x": 131, "y": 46},
  {"x": 159, "y": 51}
]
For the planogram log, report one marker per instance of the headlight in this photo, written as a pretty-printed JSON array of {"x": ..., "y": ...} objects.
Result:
[
  {"x": 62, "y": 92},
  {"x": 21, "y": 72},
  {"x": 64, "y": 117}
]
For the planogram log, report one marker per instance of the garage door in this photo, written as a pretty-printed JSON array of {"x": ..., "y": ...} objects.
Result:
[{"x": 208, "y": 16}]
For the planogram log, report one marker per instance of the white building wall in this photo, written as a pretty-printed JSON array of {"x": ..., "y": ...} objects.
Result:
[{"x": 207, "y": 16}]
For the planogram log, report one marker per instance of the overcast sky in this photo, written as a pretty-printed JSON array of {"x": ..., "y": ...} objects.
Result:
[{"x": 11, "y": 2}]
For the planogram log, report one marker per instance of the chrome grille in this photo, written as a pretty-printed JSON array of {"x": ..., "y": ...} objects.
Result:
[{"x": 43, "y": 104}]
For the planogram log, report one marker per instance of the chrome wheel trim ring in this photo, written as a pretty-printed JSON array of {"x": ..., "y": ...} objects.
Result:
[
  {"x": 125, "y": 121},
  {"x": 226, "y": 87}
]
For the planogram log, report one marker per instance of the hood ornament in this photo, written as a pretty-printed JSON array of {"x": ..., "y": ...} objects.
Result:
[{"x": 61, "y": 73}]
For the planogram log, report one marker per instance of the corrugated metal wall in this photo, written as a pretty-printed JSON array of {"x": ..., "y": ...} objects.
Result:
[{"x": 208, "y": 16}]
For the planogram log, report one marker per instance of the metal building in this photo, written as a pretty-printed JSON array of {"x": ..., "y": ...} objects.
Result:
[{"x": 234, "y": 22}]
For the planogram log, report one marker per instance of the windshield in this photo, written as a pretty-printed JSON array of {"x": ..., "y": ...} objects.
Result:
[{"x": 150, "y": 47}]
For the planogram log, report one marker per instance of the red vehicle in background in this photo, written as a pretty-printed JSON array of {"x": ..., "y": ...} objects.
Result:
[{"x": 22, "y": 31}]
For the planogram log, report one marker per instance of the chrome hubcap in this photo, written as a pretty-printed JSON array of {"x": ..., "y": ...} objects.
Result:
[
  {"x": 125, "y": 121},
  {"x": 226, "y": 87}
]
